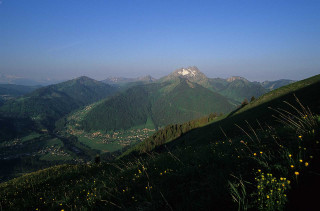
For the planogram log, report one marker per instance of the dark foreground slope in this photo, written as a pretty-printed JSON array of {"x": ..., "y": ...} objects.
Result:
[{"x": 273, "y": 167}]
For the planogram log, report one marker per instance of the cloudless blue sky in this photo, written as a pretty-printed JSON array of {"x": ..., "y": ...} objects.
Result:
[{"x": 256, "y": 39}]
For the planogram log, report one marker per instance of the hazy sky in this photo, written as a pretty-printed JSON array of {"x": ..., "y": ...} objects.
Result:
[{"x": 257, "y": 39}]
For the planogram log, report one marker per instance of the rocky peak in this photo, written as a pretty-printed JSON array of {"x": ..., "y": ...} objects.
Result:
[
  {"x": 147, "y": 78},
  {"x": 193, "y": 74},
  {"x": 188, "y": 72},
  {"x": 233, "y": 78}
]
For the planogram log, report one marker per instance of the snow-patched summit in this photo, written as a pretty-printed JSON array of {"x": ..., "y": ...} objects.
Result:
[
  {"x": 193, "y": 74},
  {"x": 188, "y": 71}
]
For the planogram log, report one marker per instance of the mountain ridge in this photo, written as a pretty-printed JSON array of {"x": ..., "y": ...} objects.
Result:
[
  {"x": 50, "y": 103},
  {"x": 167, "y": 102}
]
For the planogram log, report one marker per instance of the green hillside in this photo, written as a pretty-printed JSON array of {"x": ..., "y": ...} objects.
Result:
[
  {"x": 34, "y": 150},
  {"x": 122, "y": 111},
  {"x": 16, "y": 90},
  {"x": 240, "y": 89},
  {"x": 187, "y": 101},
  {"x": 163, "y": 103},
  {"x": 11, "y": 91},
  {"x": 205, "y": 164},
  {"x": 48, "y": 104}
]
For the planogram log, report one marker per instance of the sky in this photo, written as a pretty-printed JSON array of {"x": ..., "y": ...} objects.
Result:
[{"x": 63, "y": 39}]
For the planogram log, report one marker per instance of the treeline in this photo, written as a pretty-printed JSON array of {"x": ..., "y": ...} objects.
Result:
[{"x": 170, "y": 133}]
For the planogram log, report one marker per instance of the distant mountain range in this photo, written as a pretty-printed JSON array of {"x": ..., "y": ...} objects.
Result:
[
  {"x": 47, "y": 104},
  {"x": 235, "y": 88},
  {"x": 12, "y": 79},
  {"x": 272, "y": 85},
  {"x": 11, "y": 91},
  {"x": 183, "y": 95},
  {"x": 123, "y": 81}
]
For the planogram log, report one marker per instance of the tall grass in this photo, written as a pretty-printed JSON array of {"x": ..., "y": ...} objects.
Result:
[{"x": 278, "y": 156}]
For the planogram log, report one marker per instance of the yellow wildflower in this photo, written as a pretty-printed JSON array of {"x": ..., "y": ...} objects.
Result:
[
  {"x": 290, "y": 155},
  {"x": 255, "y": 154},
  {"x": 292, "y": 166},
  {"x": 306, "y": 164},
  {"x": 300, "y": 161},
  {"x": 296, "y": 173}
]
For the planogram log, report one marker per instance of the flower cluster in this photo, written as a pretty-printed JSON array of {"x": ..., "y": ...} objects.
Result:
[{"x": 271, "y": 192}]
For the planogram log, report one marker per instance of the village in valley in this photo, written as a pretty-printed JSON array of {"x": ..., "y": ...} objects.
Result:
[{"x": 123, "y": 138}]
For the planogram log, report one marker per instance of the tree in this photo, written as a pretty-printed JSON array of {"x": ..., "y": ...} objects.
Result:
[
  {"x": 244, "y": 102},
  {"x": 97, "y": 159}
]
